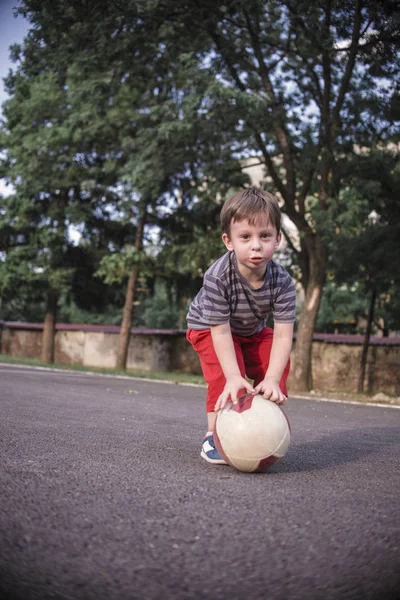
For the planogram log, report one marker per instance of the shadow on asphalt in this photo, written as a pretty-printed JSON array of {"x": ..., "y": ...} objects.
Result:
[{"x": 338, "y": 449}]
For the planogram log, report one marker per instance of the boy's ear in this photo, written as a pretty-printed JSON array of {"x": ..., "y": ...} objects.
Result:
[
  {"x": 278, "y": 239},
  {"x": 227, "y": 242}
]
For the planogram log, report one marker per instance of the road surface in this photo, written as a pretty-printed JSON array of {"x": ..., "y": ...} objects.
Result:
[{"x": 104, "y": 497}]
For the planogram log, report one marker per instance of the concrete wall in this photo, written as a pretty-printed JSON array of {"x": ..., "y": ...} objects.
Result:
[
  {"x": 92, "y": 346},
  {"x": 337, "y": 366},
  {"x": 336, "y": 359}
]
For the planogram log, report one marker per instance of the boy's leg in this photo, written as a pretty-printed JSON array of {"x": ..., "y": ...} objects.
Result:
[
  {"x": 256, "y": 353},
  {"x": 212, "y": 372}
]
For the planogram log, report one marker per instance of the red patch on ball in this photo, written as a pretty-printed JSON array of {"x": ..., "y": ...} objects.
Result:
[
  {"x": 243, "y": 403},
  {"x": 266, "y": 463},
  {"x": 219, "y": 447}
]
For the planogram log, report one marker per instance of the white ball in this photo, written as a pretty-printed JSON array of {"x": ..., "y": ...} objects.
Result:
[{"x": 253, "y": 434}]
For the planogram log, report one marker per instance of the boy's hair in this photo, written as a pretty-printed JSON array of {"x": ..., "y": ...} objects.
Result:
[{"x": 251, "y": 204}]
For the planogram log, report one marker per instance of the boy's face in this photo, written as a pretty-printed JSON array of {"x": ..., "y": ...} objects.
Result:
[{"x": 254, "y": 245}]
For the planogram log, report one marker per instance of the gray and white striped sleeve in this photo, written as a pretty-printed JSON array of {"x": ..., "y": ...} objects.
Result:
[
  {"x": 284, "y": 306},
  {"x": 215, "y": 305}
]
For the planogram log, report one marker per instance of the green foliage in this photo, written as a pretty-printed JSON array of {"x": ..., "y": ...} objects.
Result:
[
  {"x": 70, "y": 312},
  {"x": 365, "y": 248},
  {"x": 115, "y": 267},
  {"x": 158, "y": 310},
  {"x": 341, "y": 308}
]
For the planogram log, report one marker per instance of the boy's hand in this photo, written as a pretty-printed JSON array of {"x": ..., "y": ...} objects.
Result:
[
  {"x": 269, "y": 389},
  {"x": 232, "y": 386}
]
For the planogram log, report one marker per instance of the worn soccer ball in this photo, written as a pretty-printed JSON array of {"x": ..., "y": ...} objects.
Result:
[{"x": 253, "y": 434}]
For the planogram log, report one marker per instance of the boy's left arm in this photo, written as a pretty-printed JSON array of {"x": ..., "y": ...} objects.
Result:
[{"x": 280, "y": 352}]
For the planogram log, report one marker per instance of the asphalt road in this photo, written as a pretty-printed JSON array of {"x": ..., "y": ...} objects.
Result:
[{"x": 104, "y": 496}]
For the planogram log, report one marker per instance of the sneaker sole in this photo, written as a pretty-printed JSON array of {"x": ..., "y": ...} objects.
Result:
[{"x": 210, "y": 460}]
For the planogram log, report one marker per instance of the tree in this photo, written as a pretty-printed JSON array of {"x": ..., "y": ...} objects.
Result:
[
  {"x": 125, "y": 105},
  {"x": 342, "y": 305},
  {"x": 49, "y": 176},
  {"x": 300, "y": 84},
  {"x": 38, "y": 164},
  {"x": 189, "y": 90},
  {"x": 158, "y": 308},
  {"x": 68, "y": 58},
  {"x": 365, "y": 250}
]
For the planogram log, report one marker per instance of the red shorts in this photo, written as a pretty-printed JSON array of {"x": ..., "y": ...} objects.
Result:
[{"x": 252, "y": 354}]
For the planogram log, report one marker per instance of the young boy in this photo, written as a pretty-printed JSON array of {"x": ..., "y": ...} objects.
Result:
[{"x": 226, "y": 320}]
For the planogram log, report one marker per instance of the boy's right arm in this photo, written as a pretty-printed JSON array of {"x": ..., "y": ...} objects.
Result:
[{"x": 224, "y": 348}]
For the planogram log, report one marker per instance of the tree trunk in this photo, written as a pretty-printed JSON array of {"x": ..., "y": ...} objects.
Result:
[
  {"x": 302, "y": 367},
  {"x": 49, "y": 327},
  {"x": 364, "y": 354},
  {"x": 127, "y": 315}
]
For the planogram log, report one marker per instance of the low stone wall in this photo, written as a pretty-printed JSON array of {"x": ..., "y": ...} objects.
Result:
[
  {"x": 336, "y": 366},
  {"x": 336, "y": 358},
  {"x": 96, "y": 346}
]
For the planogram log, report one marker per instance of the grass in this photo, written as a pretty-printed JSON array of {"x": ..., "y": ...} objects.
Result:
[{"x": 157, "y": 375}]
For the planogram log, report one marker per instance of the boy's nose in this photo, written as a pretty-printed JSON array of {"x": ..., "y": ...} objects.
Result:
[{"x": 256, "y": 244}]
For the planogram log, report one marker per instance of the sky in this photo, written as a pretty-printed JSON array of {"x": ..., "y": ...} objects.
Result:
[{"x": 12, "y": 30}]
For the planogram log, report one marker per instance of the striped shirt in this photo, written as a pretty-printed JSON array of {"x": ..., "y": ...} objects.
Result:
[{"x": 227, "y": 297}]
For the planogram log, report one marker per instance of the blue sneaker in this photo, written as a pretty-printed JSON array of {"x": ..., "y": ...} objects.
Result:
[{"x": 209, "y": 452}]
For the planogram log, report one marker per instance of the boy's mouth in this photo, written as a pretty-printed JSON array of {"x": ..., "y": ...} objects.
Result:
[{"x": 256, "y": 259}]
